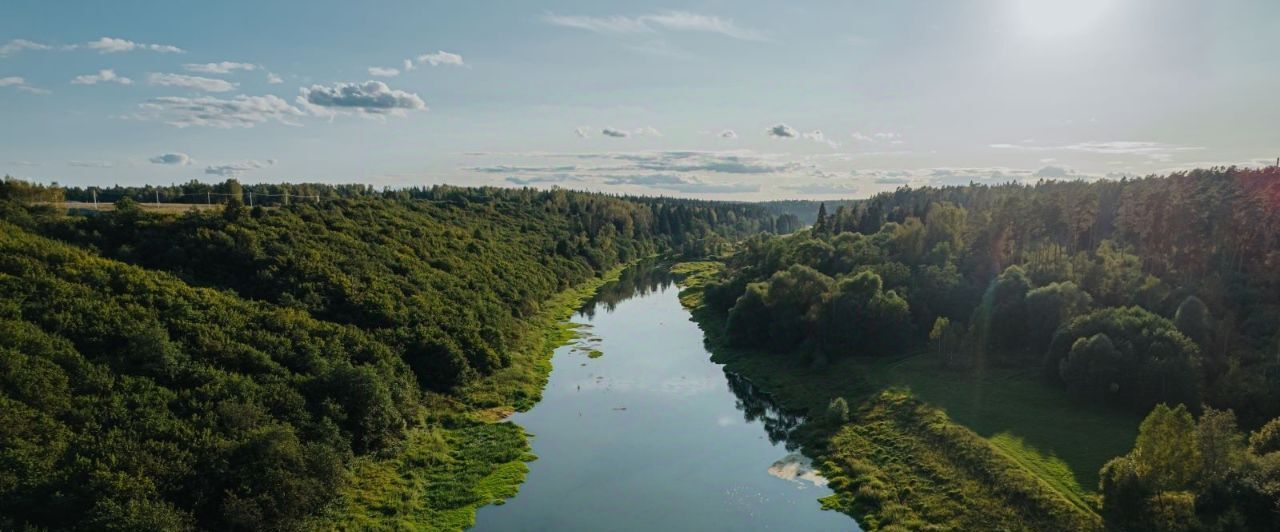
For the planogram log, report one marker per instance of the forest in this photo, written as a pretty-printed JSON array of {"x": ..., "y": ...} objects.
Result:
[
  {"x": 246, "y": 368},
  {"x": 338, "y": 361},
  {"x": 1156, "y": 297}
]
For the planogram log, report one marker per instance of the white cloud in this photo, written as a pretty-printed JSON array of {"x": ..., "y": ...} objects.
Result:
[
  {"x": 91, "y": 164},
  {"x": 237, "y": 168},
  {"x": 224, "y": 67},
  {"x": 191, "y": 82},
  {"x": 436, "y": 58},
  {"x": 103, "y": 76},
  {"x": 819, "y": 137},
  {"x": 1158, "y": 151},
  {"x": 783, "y": 131},
  {"x": 369, "y": 98},
  {"x": 111, "y": 45},
  {"x": 1053, "y": 172},
  {"x": 665, "y": 20},
  {"x": 21, "y": 84},
  {"x": 24, "y": 163},
  {"x": 728, "y": 134},
  {"x": 175, "y": 159},
  {"x": 18, "y": 45},
  {"x": 582, "y": 131},
  {"x": 384, "y": 72},
  {"x": 680, "y": 184},
  {"x": 844, "y": 189},
  {"x": 274, "y": 79},
  {"x": 241, "y": 111}
]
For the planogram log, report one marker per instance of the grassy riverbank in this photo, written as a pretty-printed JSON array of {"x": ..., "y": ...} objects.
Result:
[
  {"x": 466, "y": 457},
  {"x": 924, "y": 445}
]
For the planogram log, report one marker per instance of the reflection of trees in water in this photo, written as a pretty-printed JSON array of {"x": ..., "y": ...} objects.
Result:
[
  {"x": 636, "y": 281},
  {"x": 758, "y": 405}
]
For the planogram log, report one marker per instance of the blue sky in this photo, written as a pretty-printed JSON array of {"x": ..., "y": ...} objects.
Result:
[{"x": 716, "y": 99}]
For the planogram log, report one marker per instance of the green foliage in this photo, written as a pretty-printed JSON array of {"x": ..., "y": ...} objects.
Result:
[
  {"x": 1127, "y": 356},
  {"x": 227, "y": 370},
  {"x": 838, "y": 411},
  {"x": 1050, "y": 307},
  {"x": 1185, "y": 474},
  {"x": 905, "y": 465},
  {"x": 1165, "y": 455},
  {"x": 1266, "y": 439}
]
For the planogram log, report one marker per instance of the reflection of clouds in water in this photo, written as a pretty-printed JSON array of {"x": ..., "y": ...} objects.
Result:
[
  {"x": 797, "y": 468},
  {"x": 677, "y": 386}
]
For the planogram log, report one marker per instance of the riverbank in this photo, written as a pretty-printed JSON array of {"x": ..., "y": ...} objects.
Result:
[
  {"x": 901, "y": 462},
  {"x": 465, "y": 456}
]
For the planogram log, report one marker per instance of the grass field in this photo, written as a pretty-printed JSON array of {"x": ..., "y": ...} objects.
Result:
[{"x": 1032, "y": 425}]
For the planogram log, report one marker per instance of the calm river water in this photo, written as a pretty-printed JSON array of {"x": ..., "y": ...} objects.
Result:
[{"x": 652, "y": 435}]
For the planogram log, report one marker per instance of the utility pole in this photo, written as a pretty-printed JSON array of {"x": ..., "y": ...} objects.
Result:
[
  {"x": 95, "y": 199},
  {"x": 208, "y": 199},
  {"x": 157, "y": 197},
  {"x": 286, "y": 198},
  {"x": 251, "y": 199}
]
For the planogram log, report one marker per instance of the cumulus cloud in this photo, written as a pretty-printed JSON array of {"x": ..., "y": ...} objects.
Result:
[
  {"x": 111, "y": 45},
  {"x": 103, "y": 76},
  {"x": 384, "y": 72},
  {"x": 615, "y": 133},
  {"x": 368, "y": 98},
  {"x": 728, "y": 134},
  {"x": 21, "y": 84},
  {"x": 274, "y": 79},
  {"x": 582, "y": 132},
  {"x": 237, "y": 168},
  {"x": 191, "y": 82},
  {"x": 241, "y": 111},
  {"x": 223, "y": 67},
  {"x": 436, "y": 58},
  {"x": 175, "y": 159},
  {"x": 783, "y": 131},
  {"x": 656, "y": 22}
]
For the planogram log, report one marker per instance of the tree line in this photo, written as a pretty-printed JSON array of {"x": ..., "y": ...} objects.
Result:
[
  {"x": 223, "y": 369},
  {"x": 1126, "y": 294}
]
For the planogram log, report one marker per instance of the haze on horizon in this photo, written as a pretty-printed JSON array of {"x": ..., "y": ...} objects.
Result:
[{"x": 712, "y": 99}]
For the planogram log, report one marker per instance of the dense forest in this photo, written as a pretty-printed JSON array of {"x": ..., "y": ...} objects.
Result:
[
  {"x": 1156, "y": 295},
  {"x": 225, "y": 369}
]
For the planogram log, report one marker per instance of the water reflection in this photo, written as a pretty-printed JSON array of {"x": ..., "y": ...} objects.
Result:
[
  {"x": 757, "y": 405},
  {"x": 637, "y": 281}
]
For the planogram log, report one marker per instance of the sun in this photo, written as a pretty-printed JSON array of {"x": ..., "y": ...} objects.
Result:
[{"x": 1059, "y": 18}]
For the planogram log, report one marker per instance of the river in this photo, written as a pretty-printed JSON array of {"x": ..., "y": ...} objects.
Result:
[{"x": 638, "y": 430}]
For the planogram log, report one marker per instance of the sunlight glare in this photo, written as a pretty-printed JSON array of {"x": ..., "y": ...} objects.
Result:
[{"x": 1059, "y": 18}]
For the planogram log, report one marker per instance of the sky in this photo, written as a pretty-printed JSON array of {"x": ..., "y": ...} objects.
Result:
[{"x": 741, "y": 100}]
